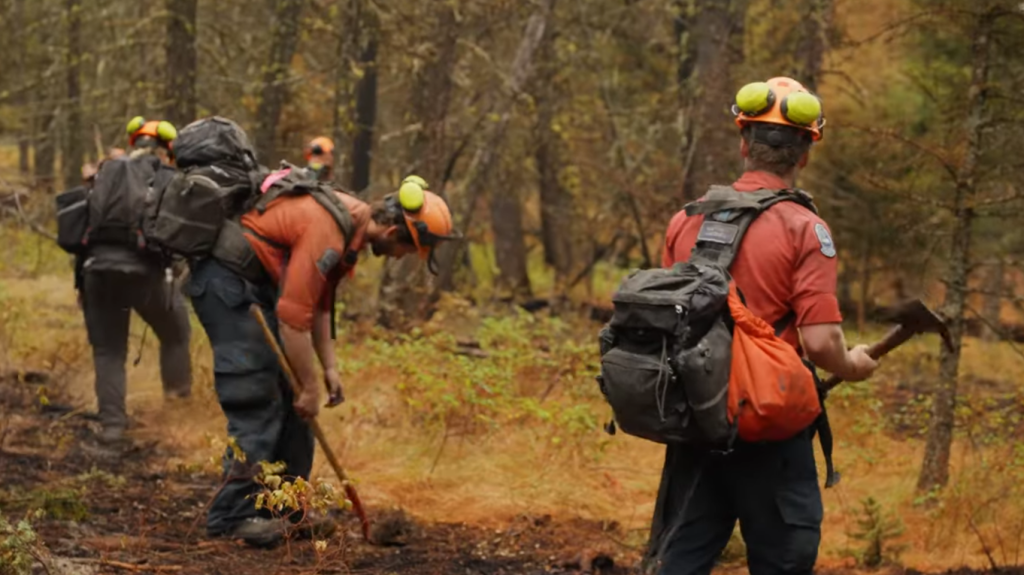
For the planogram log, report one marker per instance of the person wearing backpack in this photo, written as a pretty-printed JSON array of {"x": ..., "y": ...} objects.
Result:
[
  {"x": 302, "y": 244},
  {"x": 782, "y": 290},
  {"x": 116, "y": 274}
]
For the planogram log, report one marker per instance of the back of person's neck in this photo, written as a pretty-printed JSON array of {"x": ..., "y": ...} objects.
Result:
[{"x": 789, "y": 178}]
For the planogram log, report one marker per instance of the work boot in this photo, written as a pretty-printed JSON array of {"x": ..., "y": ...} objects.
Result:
[
  {"x": 111, "y": 435},
  {"x": 259, "y": 532},
  {"x": 314, "y": 526}
]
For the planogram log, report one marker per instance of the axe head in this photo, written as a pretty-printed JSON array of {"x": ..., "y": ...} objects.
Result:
[{"x": 916, "y": 317}]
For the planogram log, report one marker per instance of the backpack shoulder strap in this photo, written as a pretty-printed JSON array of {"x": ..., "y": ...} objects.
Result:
[
  {"x": 295, "y": 183},
  {"x": 727, "y": 216},
  {"x": 324, "y": 196}
]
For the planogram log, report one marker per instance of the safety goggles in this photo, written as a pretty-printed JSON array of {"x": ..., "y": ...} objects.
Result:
[{"x": 800, "y": 108}]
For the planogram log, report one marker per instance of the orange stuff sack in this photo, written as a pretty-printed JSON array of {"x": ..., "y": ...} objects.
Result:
[{"x": 772, "y": 395}]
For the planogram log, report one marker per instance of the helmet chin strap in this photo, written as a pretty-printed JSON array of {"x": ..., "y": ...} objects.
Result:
[{"x": 432, "y": 264}]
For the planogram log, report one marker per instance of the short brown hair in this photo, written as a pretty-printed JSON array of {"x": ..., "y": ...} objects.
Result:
[
  {"x": 382, "y": 212},
  {"x": 777, "y": 159}
]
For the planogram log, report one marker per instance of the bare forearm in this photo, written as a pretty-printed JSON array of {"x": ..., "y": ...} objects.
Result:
[
  {"x": 322, "y": 341},
  {"x": 826, "y": 347},
  {"x": 298, "y": 347}
]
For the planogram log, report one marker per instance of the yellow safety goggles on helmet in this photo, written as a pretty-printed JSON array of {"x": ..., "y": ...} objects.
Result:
[
  {"x": 781, "y": 101},
  {"x": 426, "y": 216},
  {"x": 162, "y": 130}
]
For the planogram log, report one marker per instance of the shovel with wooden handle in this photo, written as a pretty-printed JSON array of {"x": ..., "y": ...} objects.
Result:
[
  {"x": 912, "y": 318},
  {"x": 318, "y": 432}
]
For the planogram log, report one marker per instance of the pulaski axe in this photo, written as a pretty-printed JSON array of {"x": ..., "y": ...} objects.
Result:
[{"x": 912, "y": 318}]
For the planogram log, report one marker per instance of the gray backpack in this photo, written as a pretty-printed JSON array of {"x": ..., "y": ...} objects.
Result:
[
  {"x": 666, "y": 353},
  {"x": 218, "y": 180}
]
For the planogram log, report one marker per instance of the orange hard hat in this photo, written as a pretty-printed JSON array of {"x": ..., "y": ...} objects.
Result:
[
  {"x": 782, "y": 101},
  {"x": 426, "y": 214},
  {"x": 161, "y": 131},
  {"x": 321, "y": 146}
]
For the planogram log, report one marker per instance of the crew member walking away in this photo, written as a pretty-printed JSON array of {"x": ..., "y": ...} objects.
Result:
[
  {"x": 117, "y": 274},
  {"x": 785, "y": 267},
  {"x": 304, "y": 244},
  {"x": 319, "y": 154}
]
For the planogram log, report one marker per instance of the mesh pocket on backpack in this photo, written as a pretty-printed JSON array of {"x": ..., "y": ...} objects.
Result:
[
  {"x": 703, "y": 372},
  {"x": 72, "y": 219},
  {"x": 644, "y": 394}
]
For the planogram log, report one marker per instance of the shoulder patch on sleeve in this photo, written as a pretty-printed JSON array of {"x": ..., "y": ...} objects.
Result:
[
  {"x": 828, "y": 247},
  {"x": 328, "y": 261}
]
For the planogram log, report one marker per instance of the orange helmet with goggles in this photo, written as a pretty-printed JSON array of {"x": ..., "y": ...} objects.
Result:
[
  {"x": 319, "y": 155},
  {"x": 320, "y": 147},
  {"x": 160, "y": 131},
  {"x": 782, "y": 101},
  {"x": 426, "y": 214}
]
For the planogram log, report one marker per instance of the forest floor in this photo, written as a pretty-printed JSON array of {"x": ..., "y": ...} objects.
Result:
[
  {"x": 493, "y": 451},
  {"x": 99, "y": 512},
  {"x": 106, "y": 513}
]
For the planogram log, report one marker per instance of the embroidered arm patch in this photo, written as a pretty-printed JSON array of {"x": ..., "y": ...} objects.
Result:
[
  {"x": 328, "y": 261},
  {"x": 828, "y": 247}
]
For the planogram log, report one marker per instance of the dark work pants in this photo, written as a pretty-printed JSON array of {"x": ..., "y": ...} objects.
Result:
[
  {"x": 251, "y": 387},
  {"x": 108, "y": 298},
  {"x": 771, "y": 488}
]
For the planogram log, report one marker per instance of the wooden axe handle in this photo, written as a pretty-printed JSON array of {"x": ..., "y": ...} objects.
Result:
[
  {"x": 896, "y": 337},
  {"x": 318, "y": 432}
]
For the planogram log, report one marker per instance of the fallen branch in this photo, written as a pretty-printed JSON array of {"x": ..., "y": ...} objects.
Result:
[
  {"x": 19, "y": 214},
  {"x": 129, "y": 566}
]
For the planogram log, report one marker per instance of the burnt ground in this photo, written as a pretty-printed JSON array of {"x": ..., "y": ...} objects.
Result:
[
  {"x": 105, "y": 512},
  {"x": 97, "y": 512}
]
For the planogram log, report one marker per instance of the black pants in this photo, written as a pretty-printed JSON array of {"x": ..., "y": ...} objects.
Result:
[
  {"x": 251, "y": 388},
  {"x": 108, "y": 299},
  {"x": 772, "y": 489}
]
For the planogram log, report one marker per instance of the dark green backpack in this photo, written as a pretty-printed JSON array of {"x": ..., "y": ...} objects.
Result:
[{"x": 666, "y": 353}]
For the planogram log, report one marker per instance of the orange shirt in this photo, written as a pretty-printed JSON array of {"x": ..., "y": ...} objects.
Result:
[
  {"x": 786, "y": 262},
  {"x": 304, "y": 252}
]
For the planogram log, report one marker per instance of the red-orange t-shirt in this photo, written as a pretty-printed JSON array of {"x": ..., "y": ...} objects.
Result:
[
  {"x": 787, "y": 260},
  {"x": 304, "y": 252}
]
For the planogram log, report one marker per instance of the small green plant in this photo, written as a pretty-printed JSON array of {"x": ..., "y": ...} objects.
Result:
[
  {"x": 876, "y": 530},
  {"x": 62, "y": 504},
  {"x": 18, "y": 547},
  {"x": 99, "y": 477},
  {"x": 283, "y": 497}
]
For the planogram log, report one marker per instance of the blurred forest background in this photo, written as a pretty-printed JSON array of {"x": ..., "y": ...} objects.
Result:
[{"x": 565, "y": 133}]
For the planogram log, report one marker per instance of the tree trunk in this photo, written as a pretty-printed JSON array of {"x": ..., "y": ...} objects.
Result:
[
  {"x": 813, "y": 42},
  {"x": 710, "y": 137},
  {"x": 935, "y": 467},
  {"x": 24, "y": 150},
  {"x": 865, "y": 284},
  {"x": 44, "y": 150},
  {"x": 431, "y": 100},
  {"x": 180, "y": 49},
  {"x": 284, "y": 39},
  {"x": 556, "y": 205},
  {"x": 20, "y": 59},
  {"x": 509, "y": 246},
  {"x": 488, "y": 154},
  {"x": 403, "y": 288},
  {"x": 366, "y": 102},
  {"x": 342, "y": 116},
  {"x": 71, "y": 156},
  {"x": 992, "y": 311}
]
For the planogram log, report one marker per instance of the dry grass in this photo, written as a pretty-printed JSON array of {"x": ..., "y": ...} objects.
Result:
[{"x": 488, "y": 477}]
